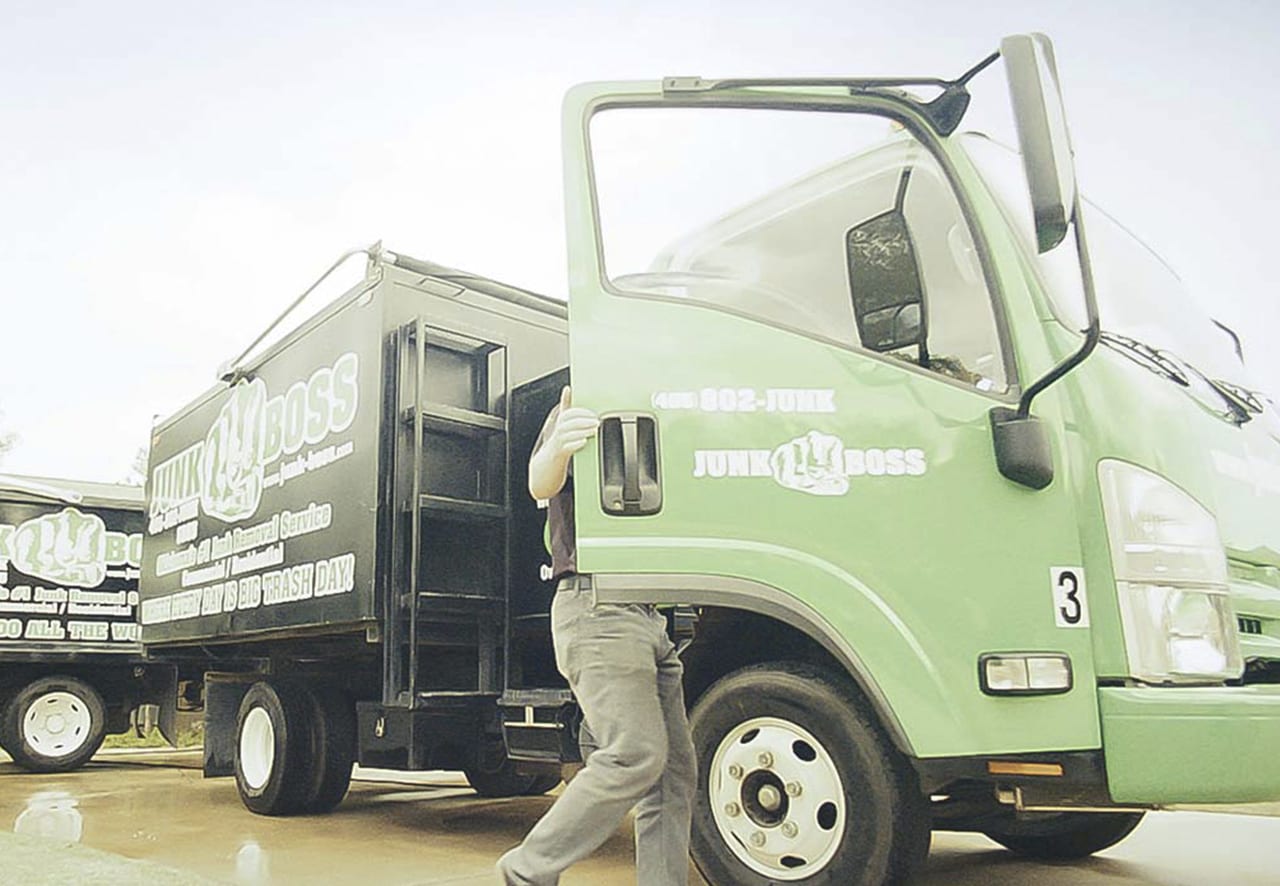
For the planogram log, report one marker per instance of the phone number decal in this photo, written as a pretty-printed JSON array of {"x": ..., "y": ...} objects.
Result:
[{"x": 796, "y": 401}]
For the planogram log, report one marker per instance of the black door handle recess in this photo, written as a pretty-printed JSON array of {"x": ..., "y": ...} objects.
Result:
[{"x": 630, "y": 483}]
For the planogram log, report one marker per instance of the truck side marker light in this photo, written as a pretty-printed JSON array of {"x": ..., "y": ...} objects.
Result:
[
  {"x": 1024, "y": 673},
  {"x": 1007, "y": 767}
]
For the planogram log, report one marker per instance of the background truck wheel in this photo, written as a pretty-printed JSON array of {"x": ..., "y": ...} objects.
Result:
[
  {"x": 53, "y": 724},
  {"x": 541, "y": 784},
  {"x": 493, "y": 775},
  {"x": 274, "y": 748},
  {"x": 333, "y": 718},
  {"x": 797, "y": 785},
  {"x": 1065, "y": 835}
]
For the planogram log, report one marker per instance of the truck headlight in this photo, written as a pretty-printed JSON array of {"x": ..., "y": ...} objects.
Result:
[{"x": 1171, "y": 578}]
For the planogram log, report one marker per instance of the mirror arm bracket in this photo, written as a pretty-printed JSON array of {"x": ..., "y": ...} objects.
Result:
[
  {"x": 1022, "y": 448},
  {"x": 1091, "y": 333}
]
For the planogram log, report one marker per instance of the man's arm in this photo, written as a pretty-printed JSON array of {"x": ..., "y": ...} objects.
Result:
[{"x": 569, "y": 432}]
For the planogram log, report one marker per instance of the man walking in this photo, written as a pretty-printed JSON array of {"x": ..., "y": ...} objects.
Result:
[{"x": 626, "y": 677}]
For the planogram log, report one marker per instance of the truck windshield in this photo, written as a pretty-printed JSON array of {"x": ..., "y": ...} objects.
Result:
[
  {"x": 1139, "y": 296},
  {"x": 771, "y": 214}
]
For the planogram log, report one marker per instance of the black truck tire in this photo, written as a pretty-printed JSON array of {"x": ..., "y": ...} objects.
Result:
[
  {"x": 541, "y": 784},
  {"x": 53, "y": 724},
  {"x": 1062, "y": 836},
  {"x": 797, "y": 784},
  {"x": 334, "y": 737},
  {"x": 494, "y": 775},
  {"x": 275, "y": 748}
]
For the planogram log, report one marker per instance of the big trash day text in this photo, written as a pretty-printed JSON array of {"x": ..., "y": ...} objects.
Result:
[{"x": 304, "y": 581}]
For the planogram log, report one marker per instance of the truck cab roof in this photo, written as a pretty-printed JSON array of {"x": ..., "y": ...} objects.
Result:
[{"x": 56, "y": 489}]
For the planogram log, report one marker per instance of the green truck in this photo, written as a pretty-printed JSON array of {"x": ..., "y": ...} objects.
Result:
[{"x": 961, "y": 527}]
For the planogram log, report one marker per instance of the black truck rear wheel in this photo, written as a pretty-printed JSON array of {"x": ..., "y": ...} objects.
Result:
[
  {"x": 1061, "y": 836},
  {"x": 494, "y": 775},
  {"x": 53, "y": 724},
  {"x": 275, "y": 748},
  {"x": 334, "y": 737},
  {"x": 541, "y": 784}
]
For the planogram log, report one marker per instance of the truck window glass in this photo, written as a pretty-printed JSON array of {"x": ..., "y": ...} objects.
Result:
[
  {"x": 1138, "y": 294},
  {"x": 748, "y": 210}
]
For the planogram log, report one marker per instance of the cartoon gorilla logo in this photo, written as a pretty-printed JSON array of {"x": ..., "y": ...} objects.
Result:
[{"x": 231, "y": 469}]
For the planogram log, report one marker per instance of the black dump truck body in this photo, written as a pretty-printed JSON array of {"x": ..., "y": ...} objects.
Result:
[
  {"x": 71, "y": 665},
  {"x": 342, "y": 527}
]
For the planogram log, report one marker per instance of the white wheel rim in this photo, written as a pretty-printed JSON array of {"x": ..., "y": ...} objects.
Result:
[
  {"x": 58, "y": 724},
  {"x": 257, "y": 748},
  {"x": 777, "y": 798}
]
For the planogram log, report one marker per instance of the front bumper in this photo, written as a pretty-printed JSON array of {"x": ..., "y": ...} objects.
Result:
[{"x": 1168, "y": 745}]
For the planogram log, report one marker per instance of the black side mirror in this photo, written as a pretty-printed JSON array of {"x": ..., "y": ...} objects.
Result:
[
  {"x": 1023, "y": 453},
  {"x": 884, "y": 282},
  {"x": 1042, "y": 134}
]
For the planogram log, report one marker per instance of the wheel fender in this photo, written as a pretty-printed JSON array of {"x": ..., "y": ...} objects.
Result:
[{"x": 873, "y": 642}]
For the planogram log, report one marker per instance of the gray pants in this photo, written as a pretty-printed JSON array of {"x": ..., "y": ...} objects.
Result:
[{"x": 624, "y": 672}]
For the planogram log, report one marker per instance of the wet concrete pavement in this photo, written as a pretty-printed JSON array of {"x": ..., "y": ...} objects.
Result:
[{"x": 396, "y": 828}]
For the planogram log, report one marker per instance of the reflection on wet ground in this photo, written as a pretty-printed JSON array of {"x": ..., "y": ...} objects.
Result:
[
  {"x": 50, "y": 814},
  {"x": 397, "y": 828}
]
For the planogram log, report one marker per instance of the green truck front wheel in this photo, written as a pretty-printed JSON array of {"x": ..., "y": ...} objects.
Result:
[{"x": 796, "y": 784}]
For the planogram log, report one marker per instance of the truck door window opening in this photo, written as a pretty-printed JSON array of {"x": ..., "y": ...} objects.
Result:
[{"x": 749, "y": 210}]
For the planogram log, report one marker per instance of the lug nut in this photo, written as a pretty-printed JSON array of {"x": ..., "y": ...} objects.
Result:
[
  {"x": 733, "y": 810},
  {"x": 789, "y": 829},
  {"x": 766, "y": 759},
  {"x": 735, "y": 771},
  {"x": 769, "y": 798},
  {"x": 757, "y": 839},
  {"x": 794, "y": 789}
]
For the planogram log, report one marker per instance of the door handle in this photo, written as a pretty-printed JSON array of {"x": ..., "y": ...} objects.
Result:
[
  {"x": 630, "y": 463},
  {"x": 630, "y": 481}
]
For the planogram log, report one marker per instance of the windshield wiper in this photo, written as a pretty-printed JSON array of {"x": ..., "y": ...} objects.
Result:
[
  {"x": 1153, "y": 358},
  {"x": 1180, "y": 371},
  {"x": 1240, "y": 405},
  {"x": 1250, "y": 400}
]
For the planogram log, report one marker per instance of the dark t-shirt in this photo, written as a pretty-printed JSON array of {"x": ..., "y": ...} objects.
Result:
[{"x": 564, "y": 538}]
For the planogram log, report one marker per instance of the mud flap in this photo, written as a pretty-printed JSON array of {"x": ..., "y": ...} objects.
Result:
[
  {"x": 222, "y": 696},
  {"x": 168, "y": 724},
  {"x": 161, "y": 689}
]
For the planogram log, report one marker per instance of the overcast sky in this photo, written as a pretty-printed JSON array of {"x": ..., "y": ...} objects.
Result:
[{"x": 172, "y": 174}]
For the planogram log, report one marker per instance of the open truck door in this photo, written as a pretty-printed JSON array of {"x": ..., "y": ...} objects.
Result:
[{"x": 791, "y": 309}]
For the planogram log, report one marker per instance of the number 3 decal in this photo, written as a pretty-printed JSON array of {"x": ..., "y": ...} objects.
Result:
[{"x": 1070, "y": 603}]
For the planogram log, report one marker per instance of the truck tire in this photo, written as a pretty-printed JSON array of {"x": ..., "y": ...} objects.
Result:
[
  {"x": 493, "y": 775},
  {"x": 796, "y": 784},
  {"x": 541, "y": 784},
  {"x": 275, "y": 748},
  {"x": 334, "y": 737},
  {"x": 53, "y": 724},
  {"x": 1061, "y": 836}
]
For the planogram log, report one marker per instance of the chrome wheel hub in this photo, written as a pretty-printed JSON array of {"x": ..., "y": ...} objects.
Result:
[
  {"x": 777, "y": 798},
  {"x": 57, "y": 724},
  {"x": 257, "y": 748}
]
